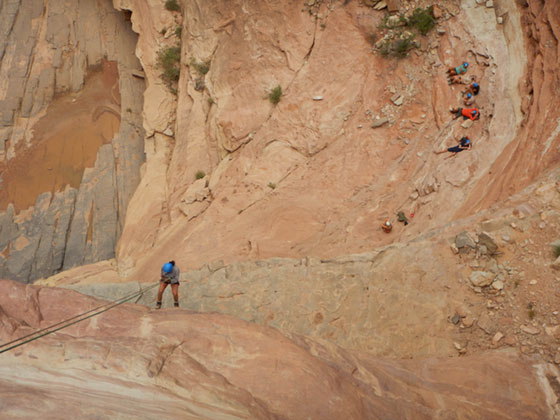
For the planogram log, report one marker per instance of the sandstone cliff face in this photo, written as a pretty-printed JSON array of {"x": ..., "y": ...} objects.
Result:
[
  {"x": 535, "y": 148},
  {"x": 71, "y": 136},
  {"x": 483, "y": 283},
  {"x": 210, "y": 366},
  {"x": 309, "y": 180},
  {"x": 310, "y": 177}
]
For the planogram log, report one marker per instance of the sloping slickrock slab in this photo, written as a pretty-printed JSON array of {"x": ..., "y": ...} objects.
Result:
[
  {"x": 371, "y": 301},
  {"x": 174, "y": 364}
]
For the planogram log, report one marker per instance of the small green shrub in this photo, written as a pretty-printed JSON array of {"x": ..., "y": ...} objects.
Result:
[
  {"x": 556, "y": 250},
  {"x": 531, "y": 311},
  {"x": 200, "y": 67},
  {"x": 402, "y": 46},
  {"x": 385, "y": 49},
  {"x": 422, "y": 20},
  {"x": 199, "y": 175},
  {"x": 211, "y": 101},
  {"x": 172, "y": 6},
  {"x": 178, "y": 31},
  {"x": 271, "y": 185},
  {"x": 163, "y": 31},
  {"x": 199, "y": 84},
  {"x": 128, "y": 109},
  {"x": 275, "y": 95},
  {"x": 397, "y": 48},
  {"x": 169, "y": 60}
]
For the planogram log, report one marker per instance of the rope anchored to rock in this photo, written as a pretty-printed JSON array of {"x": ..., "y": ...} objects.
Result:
[{"x": 70, "y": 321}]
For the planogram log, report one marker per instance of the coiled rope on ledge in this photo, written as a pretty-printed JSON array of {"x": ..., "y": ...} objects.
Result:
[{"x": 70, "y": 321}]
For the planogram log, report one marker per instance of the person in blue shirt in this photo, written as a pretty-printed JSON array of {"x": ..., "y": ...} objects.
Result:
[
  {"x": 468, "y": 100},
  {"x": 473, "y": 89},
  {"x": 455, "y": 71},
  {"x": 169, "y": 275},
  {"x": 464, "y": 144}
]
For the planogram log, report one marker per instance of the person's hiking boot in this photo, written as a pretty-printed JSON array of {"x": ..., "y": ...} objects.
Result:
[
  {"x": 158, "y": 305},
  {"x": 176, "y": 304}
]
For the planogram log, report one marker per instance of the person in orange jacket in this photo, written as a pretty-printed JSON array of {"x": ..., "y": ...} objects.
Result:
[{"x": 467, "y": 113}]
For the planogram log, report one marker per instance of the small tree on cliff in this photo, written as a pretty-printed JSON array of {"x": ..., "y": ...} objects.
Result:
[{"x": 169, "y": 60}]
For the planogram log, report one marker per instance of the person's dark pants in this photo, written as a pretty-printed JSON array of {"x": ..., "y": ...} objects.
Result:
[
  {"x": 455, "y": 149},
  {"x": 174, "y": 290}
]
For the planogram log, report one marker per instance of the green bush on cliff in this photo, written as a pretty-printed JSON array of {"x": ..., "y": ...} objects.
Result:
[
  {"x": 422, "y": 19},
  {"x": 402, "y": 46},
  {"x": 200, "y": 67},
  {"x": 275, "y": 95},
  {"x": 169, "y": 59},
  {"x": 172, "y": 6}
]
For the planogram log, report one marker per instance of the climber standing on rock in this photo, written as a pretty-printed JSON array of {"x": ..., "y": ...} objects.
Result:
[{"x": 169, "y": 275}]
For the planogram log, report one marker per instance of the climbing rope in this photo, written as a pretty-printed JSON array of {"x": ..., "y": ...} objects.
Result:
[{"x": 66, "y": 323}]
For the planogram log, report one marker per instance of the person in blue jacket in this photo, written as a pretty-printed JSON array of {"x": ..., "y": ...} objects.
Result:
[
  {"x": 464, "y": 144},
  {"x": 169, "y": 275}
]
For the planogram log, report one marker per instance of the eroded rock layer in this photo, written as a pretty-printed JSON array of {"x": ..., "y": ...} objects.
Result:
[
  {"x": 179, "y": 365},
  {"x": 71, "y": 135}
]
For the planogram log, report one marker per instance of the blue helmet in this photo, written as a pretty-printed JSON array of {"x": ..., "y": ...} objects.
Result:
[
  {"x": 469, "y": 95},
  {"x": 474, "y": 112},
  {"x": 167, "y": 267},
  {"x": 466, "y": 64},
  {"x": 475, "y": 85}
]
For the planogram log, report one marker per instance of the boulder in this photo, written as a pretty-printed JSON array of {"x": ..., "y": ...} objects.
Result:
[
  {"x": 556, "y": 264},
  {"x": 380, "y": 5},
  {"x": 497, "y": 337},
  {"x": 498, "y": 285},
  {"x": 393, "y": 6},
  {"x": 488, "y": 242},
  {"x": 468, "y": 321},
  {"x": 529, "y": 329},
  {"x": 467, "y": 124},
  {"x": 379, "y": 122},
  {"x": 485, "y": 324},
  {"x": 481, "y": 278},
  {"x": 463, "y": 240}
]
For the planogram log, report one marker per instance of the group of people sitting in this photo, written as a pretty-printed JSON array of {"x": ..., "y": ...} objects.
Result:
[
  {"x": 454, "y": 77},
  {"x": 473, "y": 114}
]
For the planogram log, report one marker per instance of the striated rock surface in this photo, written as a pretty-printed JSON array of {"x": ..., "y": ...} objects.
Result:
[
  {"x": 304, "y": 177},
  {"x": 175, "y": 364},
  {"x": 68, "y": 101}
]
